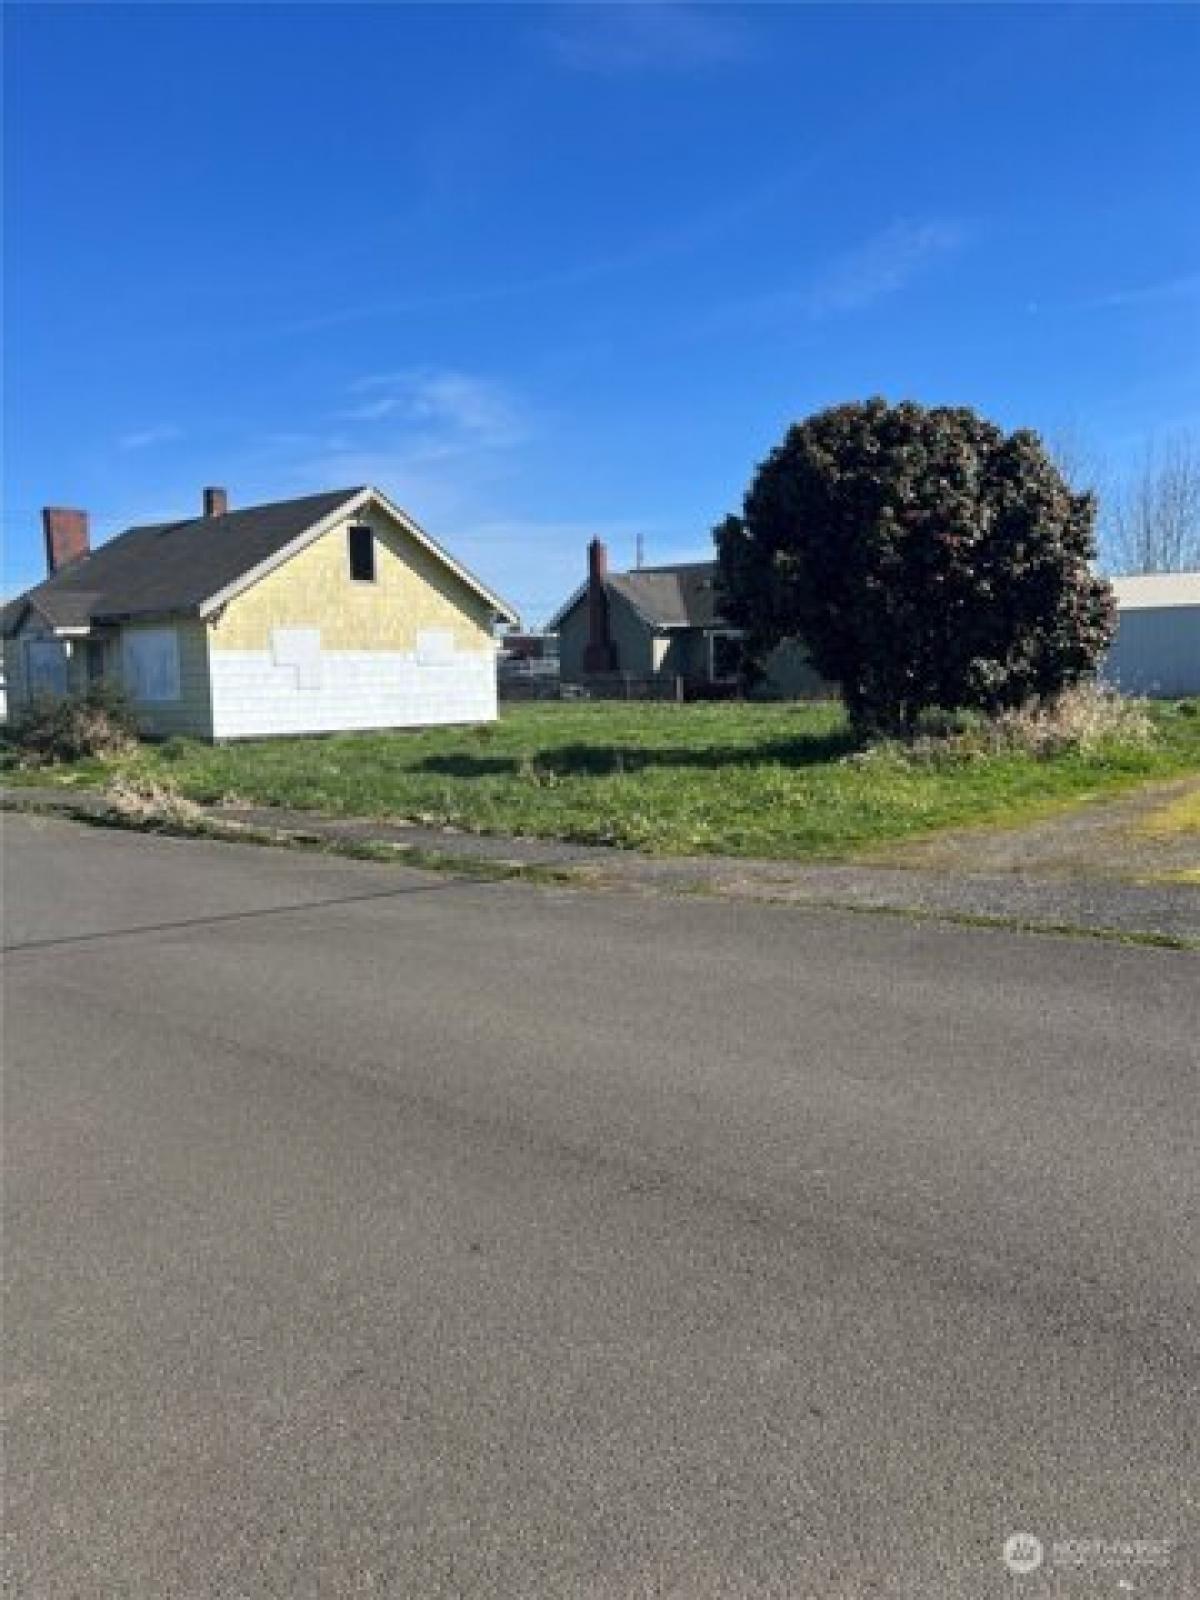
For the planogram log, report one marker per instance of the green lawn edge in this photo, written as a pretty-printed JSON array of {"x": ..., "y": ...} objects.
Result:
[{"x": 771, "y": 782}]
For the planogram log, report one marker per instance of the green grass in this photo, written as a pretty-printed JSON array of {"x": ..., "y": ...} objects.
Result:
[{"x": 755, "y": 780}]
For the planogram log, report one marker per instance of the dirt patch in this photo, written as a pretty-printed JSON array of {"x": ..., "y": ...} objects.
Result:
[{"x": 1151, "y": 835}]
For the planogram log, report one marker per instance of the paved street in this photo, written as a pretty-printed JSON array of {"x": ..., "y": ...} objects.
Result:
[{"x": 376, "y": 1233}]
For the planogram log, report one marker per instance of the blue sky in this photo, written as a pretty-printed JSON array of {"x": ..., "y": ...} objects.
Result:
[{"x": 541, "y": 273}]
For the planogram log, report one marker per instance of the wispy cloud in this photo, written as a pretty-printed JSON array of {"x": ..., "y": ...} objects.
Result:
[
  {"x": 538, "y": 562},
  {"x": 144, "y": 438},
  {"x": 440, "y": 412},
  {"x": 1186, "y": 287},
  {"x": 882, "y": 266},
  {"x": 617, "y": 39},
  {"x": 442, "y": 442}
]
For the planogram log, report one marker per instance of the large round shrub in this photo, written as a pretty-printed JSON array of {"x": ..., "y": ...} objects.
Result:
[{"x": 923, "y": 557}]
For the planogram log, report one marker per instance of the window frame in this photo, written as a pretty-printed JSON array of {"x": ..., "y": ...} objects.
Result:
[
  {"x": 95, "y": 660},
  {"x": 362, "y": 530}
]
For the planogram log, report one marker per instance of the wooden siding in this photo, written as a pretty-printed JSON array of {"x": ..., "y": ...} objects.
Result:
[
  {"x": 411, "y": 648},
  {"x": 634, "y": 641},
  {"x": 189, "y": 714},
  {"x": 412, "y": 593}
]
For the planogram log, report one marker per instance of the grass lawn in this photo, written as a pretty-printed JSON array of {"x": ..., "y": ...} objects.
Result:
[{"x": 756, "y": 780}]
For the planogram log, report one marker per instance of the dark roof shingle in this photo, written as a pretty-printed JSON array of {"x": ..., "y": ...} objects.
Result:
[{"x": 171, "y": 568}]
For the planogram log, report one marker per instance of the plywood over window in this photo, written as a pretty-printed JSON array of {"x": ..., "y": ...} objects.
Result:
[
  {"x": 150, "y": 664},
  {"x": 46, "y": 665}
]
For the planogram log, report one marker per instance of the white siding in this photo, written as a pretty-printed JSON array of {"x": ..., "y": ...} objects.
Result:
[
  {"x": 1156, "y": 651},
  {"x": 255, "y": 695}
]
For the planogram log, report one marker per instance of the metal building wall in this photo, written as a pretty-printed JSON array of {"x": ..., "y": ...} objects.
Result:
[{"x": 1156, "y": 652}]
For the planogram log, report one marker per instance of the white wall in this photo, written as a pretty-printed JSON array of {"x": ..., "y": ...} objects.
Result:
[
  {"x": 1156, "y": 651},
  {"x": 263, "y": 692}
]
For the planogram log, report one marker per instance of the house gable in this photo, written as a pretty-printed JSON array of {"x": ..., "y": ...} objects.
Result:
[
  {"x": 389, "y": 522},
  {"x": 638, "y": 643},
  {"x": 415, "y": 591}
]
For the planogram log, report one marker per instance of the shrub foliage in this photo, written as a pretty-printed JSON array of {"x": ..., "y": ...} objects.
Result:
[
  {"x": 55, "y": 728},
  {"x": 923, "y": 557}
]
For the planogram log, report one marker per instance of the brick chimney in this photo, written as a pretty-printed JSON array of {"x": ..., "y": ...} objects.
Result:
[
  {"x": 598, "y": 653},
  {"x": 66, "y": 534},
  {"x": 216, "y": 502}
]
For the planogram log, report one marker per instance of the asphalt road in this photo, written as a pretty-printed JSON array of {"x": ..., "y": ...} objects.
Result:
[{"x": 375, "y": 1233}]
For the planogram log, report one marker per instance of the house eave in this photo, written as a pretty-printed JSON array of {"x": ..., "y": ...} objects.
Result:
[
  {"x": 120, "y": 619},
  {"x": 502, "y": 610},
  {"x": 565, "y": 610}
]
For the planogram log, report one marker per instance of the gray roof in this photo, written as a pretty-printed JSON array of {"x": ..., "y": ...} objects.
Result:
[
  {"x": 683, "y": 596},
  {"x": 168, "y": 568},
  {"x": 680, "y": 596},
  {"x": 1146, "y": 591}
]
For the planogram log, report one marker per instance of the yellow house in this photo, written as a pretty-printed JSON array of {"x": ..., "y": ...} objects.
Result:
[{"x": 318, "y": 615}]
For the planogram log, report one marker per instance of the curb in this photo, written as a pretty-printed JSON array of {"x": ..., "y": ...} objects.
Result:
[{"x": 1167, "y": 919}]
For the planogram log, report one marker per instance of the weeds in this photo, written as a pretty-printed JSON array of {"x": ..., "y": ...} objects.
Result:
[
  {"x": 54, "y": 730},
  {"x": 1088, "y": 721},
  {"x": 146, "y": 802}
]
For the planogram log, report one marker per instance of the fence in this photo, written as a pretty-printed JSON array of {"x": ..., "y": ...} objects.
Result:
[{"x": 617, "y": 686}]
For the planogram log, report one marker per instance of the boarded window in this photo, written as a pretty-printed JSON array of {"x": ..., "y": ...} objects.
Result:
[
  {"x": 300, "y": 649},
  {"x": 435, "y": 647},
  {"x": 362, "y": 554},
  {"x": 46, "y": 663},
  {"x": 150, "y": 664}
]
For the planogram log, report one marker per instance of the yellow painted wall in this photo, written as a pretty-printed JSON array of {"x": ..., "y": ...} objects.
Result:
[{"x": 412, "y": 592}]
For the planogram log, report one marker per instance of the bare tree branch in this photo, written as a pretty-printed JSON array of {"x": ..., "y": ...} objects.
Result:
[
  {"x": 1155, "y": 516},
  {"x": 1076, "y": 457}
]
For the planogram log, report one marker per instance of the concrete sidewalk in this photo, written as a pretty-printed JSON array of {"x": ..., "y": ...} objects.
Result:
[{"x": 1099, "y": 904}]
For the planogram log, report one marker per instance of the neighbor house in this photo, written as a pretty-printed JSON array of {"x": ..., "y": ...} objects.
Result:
[
  {"x": 1156, "y": 651},
  {"x": 331, "y": 612},
  {"x": 666, "y": 624}
]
